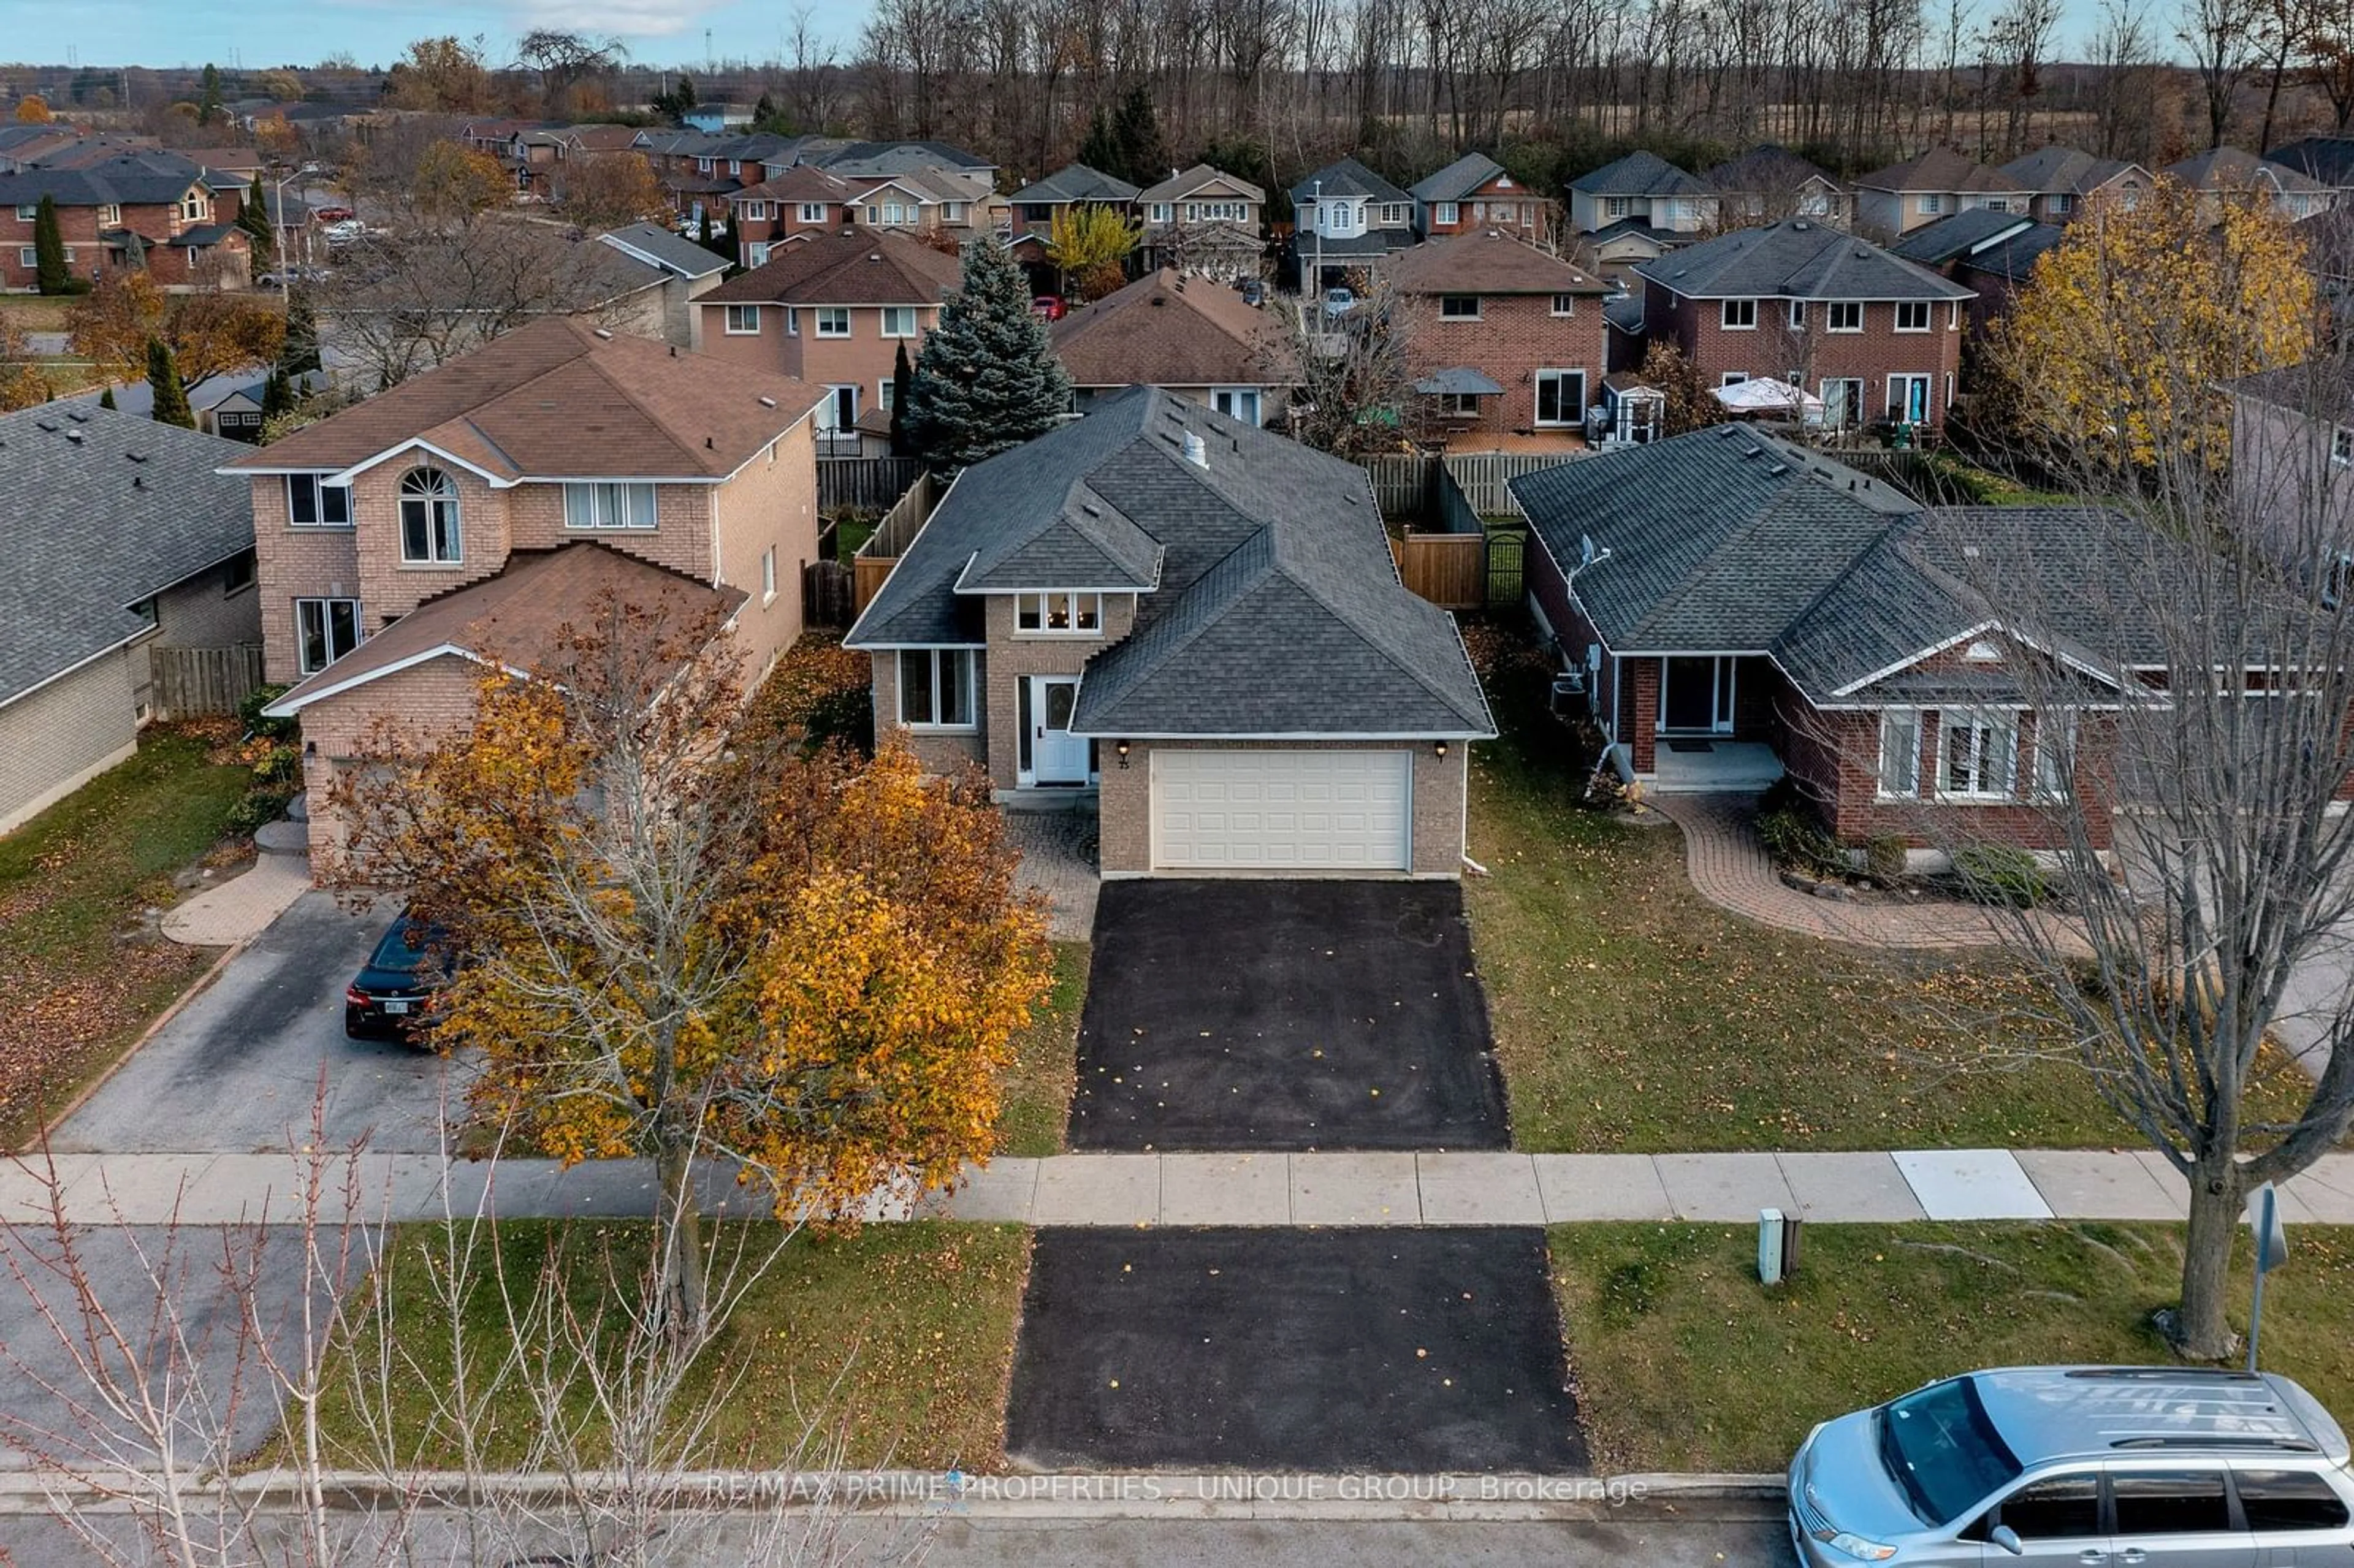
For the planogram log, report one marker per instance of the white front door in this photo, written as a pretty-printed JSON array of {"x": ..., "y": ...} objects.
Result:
[{"x": 1056, "y": 755}]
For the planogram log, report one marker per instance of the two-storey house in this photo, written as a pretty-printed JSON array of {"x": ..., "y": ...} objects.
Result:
[
  {"x": 2060, "y": 180},
  {"x": 1902, "y": 198},
  {"x": 1992, "y": 253},
  {"x": 2227, "y": 176},
  {"x": 1508, "y": 341},
  {"x": 834, "y": 310},
  {"x": 458, "y": 520},
  {"x": 1197, "y": 625},
  {"x": 1197, "y": 339},
  {"x": 1348, "y": 221},
  {"x": 153, "y": 209},
  {"x": 1768, "y": 184},
  {"x": 1875, "y": 336},
  {"x": 1202, "y": 222},
  {"x": 1476, "y": 193},
  {"x": 802, "y": 199},
  {"x": 1036, "y": 205},
  {"x": 1638, "y": 208}
]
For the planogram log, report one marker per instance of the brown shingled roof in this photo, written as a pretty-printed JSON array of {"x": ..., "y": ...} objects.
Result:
[
  {"x": 1487, "y": 261},
  {"x": 1162, "y": 331},
  {"x": 802, "y": 182},
  {"x": 556, "y": 399},
  {"x": 519, "y": 618},
  {"x": 1938, "y": 169},
  {"x": 857, "y": 267}
]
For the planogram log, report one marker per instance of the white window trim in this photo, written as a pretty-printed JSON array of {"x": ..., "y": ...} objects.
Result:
[
  {"x": 1446, "y": 315},
  {"x": 1725, "y": 315},
  {"x": 768, "y": 576},
  {"x": 1927, "y": 314},
  {"x": 432, "y": 502},
  {"x": 914, "y": 324},
  {"x": 1880, "y": 790},
  {"x": 326, "y": 630},
  {"x": 1832, "y": 311},
  {"x": 1071, "y": 601},
  {"x": 1446, "y": 213},
  {"x": 826, "y": 312},
  {"x": 318, "y": 488},
  {"x": 729, "y": 319},
  {"x": 596, "y": 493},
  {"x": 812, "y": 212},
  {"x": 1561, "y": 373},
  {"x": 935, "y": 655},
  {"x": 755, "y": 211},
  {"x": 1894, "y": 406},
  {"x": 1981, "y": 723},
  {"x": 2341, "y": 445},
  {"x": 1797, "y": 315},
  {"x": 1561, "y": 299}
]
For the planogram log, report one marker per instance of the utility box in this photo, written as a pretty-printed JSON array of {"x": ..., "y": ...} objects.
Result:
[{"x": 1777, "y": 1247}]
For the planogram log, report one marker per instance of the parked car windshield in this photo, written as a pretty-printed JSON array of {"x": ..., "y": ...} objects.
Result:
[{"x": 1939, "y": 1446}]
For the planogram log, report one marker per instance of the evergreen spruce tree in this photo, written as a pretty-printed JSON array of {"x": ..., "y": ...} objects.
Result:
[
  {"x": 277, "y": 394},
  {"x": 903, "y": 381},
  {"x": 51, "y": 274},
  {"x": 1100, "y": 150},
  {"x": 987, "y": 378},
  {"x": 300, "y": 352},
  {"x": 714, "y": 239},
  {"x": 208, "y": 106},
  {"x": 253, "y": 217},
  {"x": 1144, "y": 156},
  {"x": 163, "y": 380},
  {"x": 106, "y": 398}
]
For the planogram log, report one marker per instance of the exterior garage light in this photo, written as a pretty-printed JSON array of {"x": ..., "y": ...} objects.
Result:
[
  {"x": 1442, "y": 752},
  {"x": 1121, "y": 747}
]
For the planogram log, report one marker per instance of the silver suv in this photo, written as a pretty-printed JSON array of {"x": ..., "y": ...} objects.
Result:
[{"x": 2135, "y": 1466}]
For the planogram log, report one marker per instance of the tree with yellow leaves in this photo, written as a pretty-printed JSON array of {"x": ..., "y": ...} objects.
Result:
[
  {"x": 1092, "y": 243},
  {"x": 33, "y": 110},
  {"x": 691, "y": 937},
  {"x": 2115, "y": 345}
]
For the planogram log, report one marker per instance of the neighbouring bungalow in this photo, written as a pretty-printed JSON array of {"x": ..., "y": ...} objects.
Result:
[{"x": 1199, "y": 340}]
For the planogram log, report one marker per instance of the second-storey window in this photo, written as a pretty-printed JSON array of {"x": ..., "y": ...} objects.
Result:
[
  {"x": 743, "y": 320},
  {"x": 312, "y": 503},
  {"x": 1740, "y": 315},
  {"x": 1565, "y": 304},
  {"x": 899, "y": 320},
  {"x": 1797, "y": 315},
  {"x": 1459, "y": 307},
  {"x": 812, "y": 212},
  {"x": 609, "y": 505},
  {"x": 1059, "y": 614},
  {"x": 1911, "y": 315},
  {"x": 833, "y": 320},
  {"x": 1846, "y": 315},
  {"x": 429, "y": 518},
  {"x": 755, "y": 211}
]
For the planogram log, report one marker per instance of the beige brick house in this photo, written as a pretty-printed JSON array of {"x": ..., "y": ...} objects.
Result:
[
  {"x": 1509, "y": 340},
  {"x": 1195, "y": 624},
  {"x": 407, "y": 543}
]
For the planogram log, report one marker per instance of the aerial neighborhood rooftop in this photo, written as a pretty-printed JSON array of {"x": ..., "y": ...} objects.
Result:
[{"x": 1571, "y": 793}]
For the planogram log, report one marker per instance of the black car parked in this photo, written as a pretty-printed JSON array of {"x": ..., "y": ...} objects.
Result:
[{"x": 395, "y": 993}]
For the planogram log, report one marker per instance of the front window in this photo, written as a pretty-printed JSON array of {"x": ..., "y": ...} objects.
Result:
[
  {"x": 1938, "y": 1446},
  {"x": 756, "y": 253},
  {"x": 1236, "y": 403},
  {"x": 743, "y": 320},
  {"x": 899, "y": 320},
  {"x": 1443, "y": 214},
  {"x": 1617, "y": 206},
  {"x": 1977, "y": 757},
  {"x": 1565, "y": 304},
  {"x": 833, "y": 320},
  {"x": 1059, "y": 614},
  {"x": 1846, "y": 315},
  {"x": 936, "y": 688},
  {"x": 1160, "y": 211},
  {"x": 324, "y": 630},
  {"x": 1393, "y": 214},
  {"x": 1740, "y": 315},
  {"x": 1911, "y": 315},
  {"x": 28, "y": 211},
  {"x": 429, "y": 518},
  {"x": 1458, "y": 307},
  {"x": 312, "y": 503},
  {"x": 193, "y": 206},
  {"x": 1900, "y": 754},
  {"x": 1561, "y": 397},
  {"x": 609, "y": 506},
  {"x": 1797, "y": 315},
  {"x": 2056, "y": 754},
  {"x": 1931, "y": 206},
  {"x": 755, "y": 211}
]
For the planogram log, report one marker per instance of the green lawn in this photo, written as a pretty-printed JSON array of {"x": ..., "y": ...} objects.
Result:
[
  {"x": 902, "y": 1334},
  {"x": 1684, "y": 1362},
  {"x": 83, "y": 978},
  {"x": 1037, "y": 1102},
  {"x": 1632, "y": 1015},
  {"x": 36, "y": 312}
]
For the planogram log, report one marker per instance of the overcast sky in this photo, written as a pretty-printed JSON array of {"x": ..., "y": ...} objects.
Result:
[{"x": 261, "y": 32}]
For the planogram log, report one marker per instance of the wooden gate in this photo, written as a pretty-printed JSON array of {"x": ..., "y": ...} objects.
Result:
[
  {"x": 190, "y": 683},
  {"x": 828, "y": 595},
  {"x": 1450, "y": 570},
  {"x": 1507, "y": 565}
]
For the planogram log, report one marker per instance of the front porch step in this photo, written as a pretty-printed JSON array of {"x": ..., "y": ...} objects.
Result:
[
  {"x": 298, "y": 809},
  {"x": 1078, "y": 798},
  {"x": 282, "y": 838}
]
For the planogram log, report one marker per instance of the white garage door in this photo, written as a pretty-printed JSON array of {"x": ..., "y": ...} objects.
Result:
[{"x": 1281, "y": 810}]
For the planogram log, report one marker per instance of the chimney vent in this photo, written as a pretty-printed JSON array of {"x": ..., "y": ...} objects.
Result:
[{"x": 1196, "y": 451}]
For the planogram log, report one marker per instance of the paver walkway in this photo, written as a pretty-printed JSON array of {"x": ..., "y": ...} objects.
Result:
[
  {"x": 1059, "y": 859},
  {"x": 242, "y": 908},
  {"x": 1263, "y": 1189},
  {"x": 1730, "y": 870}
]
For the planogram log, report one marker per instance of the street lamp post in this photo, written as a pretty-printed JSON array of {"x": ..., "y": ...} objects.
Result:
[{"x": 285, "y": 285}]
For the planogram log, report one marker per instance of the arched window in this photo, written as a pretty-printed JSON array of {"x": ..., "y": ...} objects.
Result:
[{"x": 429, "y": 518}]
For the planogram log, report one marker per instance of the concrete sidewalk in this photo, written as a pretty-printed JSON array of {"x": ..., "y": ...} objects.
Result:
[{"x": 1483, "y": 1188}]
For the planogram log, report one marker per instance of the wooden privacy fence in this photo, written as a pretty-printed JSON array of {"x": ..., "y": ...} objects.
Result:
[
  {"x": 864, "y": 484},
  {"x": 1402, "y": 482},
  {"x": 190, "y": 683},
  {"x": 891, "y": 538},
  {"x": 828, "y": 597},
  {"x": 1450, "y": 570}
]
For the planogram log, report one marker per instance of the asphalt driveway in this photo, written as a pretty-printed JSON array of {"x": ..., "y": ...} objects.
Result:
[
  {"x": 237, "y": 1069},
  {"x": 1285, "y": 1015},
  {"x": 1342, "y": 1351}
]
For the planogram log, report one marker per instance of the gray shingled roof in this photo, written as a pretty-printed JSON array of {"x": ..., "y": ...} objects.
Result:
[
  {"x": 2231, "y": 168},
  {"x": 1935, "y": 244},
  {"x": 110, "y": 509},
  {"x": 1348, "y": 178},
  {"x": 1640, "y": 173},
  {"x": 134, "y": 179},
  {"x": 1076, "y": 183},
  {"x": 1798, "y": 259},
  {"x": 672, "y": 252},
  {"x": 1457, "y": 180},
  {"x": 1185, "y": 182},
  {"x": 1276, "y": 608},
  {"x": 2329, "y": 159},
  {"x": 2012, "y": 258}
]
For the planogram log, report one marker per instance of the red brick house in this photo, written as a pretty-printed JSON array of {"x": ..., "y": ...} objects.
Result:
[
  {"x": 186, "y": 231},
  {"x": 1475, "y": 192},
  {"x": 1510, "y": 340},
  {"x": 1877, "y": 338},
  {"x": 803, "y": 200},
  {"x": 1735, "y": 606}
]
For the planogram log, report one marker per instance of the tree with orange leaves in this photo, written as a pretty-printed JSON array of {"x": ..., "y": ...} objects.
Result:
[{"x": 691, "y": 936}]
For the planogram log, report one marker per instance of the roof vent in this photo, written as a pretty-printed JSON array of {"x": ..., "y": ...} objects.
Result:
[
  {"x": 1800, "y": 225},
  {"x": 1778, "y": 469},
  {"x": 707, "y": 444},
  {"x": 74, "y": 436},
  {"x": 1197, "y": 452},
  {"x": 136, "y": 457},
  {"x": 768, "y": 402},
  {"x": 1091, "y": 508},
  {"x": 78, "y": 416},
  {"x": 138, "y": 482},
  {"x": 605, "y": 333}
]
